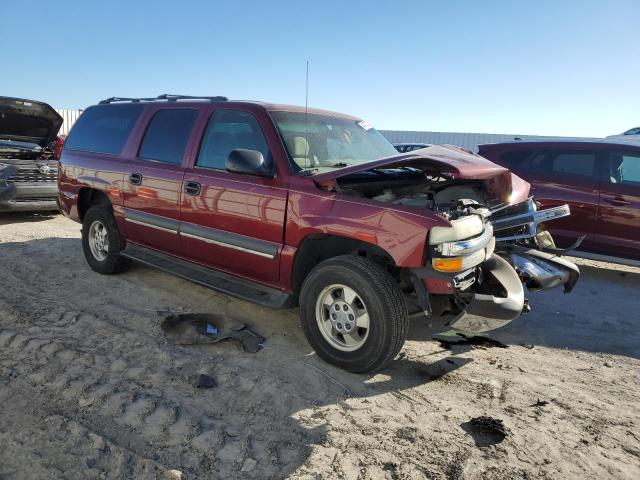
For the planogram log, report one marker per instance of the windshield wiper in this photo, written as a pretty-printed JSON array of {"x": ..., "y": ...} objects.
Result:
[
  {"x": 307, "y": 172},
  {"x": 312, "y": 170}
]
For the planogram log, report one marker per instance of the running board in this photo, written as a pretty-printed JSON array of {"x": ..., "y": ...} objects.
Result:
[{"x": 222, "y": 282}]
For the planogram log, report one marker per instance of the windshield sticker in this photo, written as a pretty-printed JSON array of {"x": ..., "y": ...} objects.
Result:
[{"x": 365, "y": 125}]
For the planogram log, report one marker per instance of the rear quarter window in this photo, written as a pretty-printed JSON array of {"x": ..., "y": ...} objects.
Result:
[
  {"x": 103, "y": 128},
  {"x": 515, "y": 158}
]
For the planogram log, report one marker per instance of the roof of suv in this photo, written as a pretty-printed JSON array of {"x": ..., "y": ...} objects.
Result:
[
  {"x": 595, "y": 142},
  {"x": 196, "y": 100}
]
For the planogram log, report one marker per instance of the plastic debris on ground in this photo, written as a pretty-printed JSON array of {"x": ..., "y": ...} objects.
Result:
[
  {"x": 207, "y": 328},
  {"x": 477, "y": 341}
]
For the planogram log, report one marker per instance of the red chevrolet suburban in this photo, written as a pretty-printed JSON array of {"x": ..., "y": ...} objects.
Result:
[{"x": 284, "y": 205}]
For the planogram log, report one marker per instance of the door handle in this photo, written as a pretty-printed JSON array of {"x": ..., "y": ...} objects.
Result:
[
  {"x": 192, "y": 188},
  {"x": 619, "y": 201},
  {"x": 135, "y": 179}
]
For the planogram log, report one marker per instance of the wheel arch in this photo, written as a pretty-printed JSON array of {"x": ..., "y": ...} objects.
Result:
[
  {"x": 87, "y": 197},
  {"x": 317, "y": 248}
]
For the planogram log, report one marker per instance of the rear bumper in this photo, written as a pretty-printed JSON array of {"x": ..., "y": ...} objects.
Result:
[{"x": 25, "y": 197}]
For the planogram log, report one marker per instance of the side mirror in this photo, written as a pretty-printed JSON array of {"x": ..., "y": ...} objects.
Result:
[{"x": 247, "y": 162}]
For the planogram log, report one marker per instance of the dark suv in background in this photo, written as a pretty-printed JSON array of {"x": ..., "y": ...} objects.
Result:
[
  {"x": 29, "y": 148},
  {"x": 600, "y": 180}
]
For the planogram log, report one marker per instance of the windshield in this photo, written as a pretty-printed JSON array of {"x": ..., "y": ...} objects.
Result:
[{"x": 322, "y": 142}]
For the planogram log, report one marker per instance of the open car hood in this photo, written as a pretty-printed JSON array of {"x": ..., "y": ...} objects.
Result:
[
  {"x": 445, "y": 160},
  {"x": 28, "y": 121}
]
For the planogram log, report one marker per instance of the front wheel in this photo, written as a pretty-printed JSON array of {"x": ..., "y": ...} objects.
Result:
[{"x": 353, "y": 314}]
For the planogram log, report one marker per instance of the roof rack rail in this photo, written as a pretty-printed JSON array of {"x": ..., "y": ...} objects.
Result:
[{"x": 166, "y": 96}]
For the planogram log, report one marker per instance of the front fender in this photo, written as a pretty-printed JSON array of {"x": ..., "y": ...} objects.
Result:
[{"x": 401, "y": 233}]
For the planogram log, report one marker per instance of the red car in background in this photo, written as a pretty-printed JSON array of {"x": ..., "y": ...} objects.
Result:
[{"x": 600, "y": 180}]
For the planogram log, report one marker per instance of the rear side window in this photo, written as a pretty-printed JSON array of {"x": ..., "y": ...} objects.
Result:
[
  {"x": 167, "y": 135},
  {"x": 574, "y": 163},
  {"x": 103, "y": 128},
  {"x": 624, "y": 168},
  {"x": 227, "y": 131}
]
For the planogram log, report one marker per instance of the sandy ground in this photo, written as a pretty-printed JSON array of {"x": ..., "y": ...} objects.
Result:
[{"x": 90, "y": 388}]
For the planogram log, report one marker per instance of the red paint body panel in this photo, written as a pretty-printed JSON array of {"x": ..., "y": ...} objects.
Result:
[
  {"x": 90, "y": 170},
  {"x": 158, "y": 194},
  {"x": 242, "y": 206},
  {"x": 399, "y": 231}
]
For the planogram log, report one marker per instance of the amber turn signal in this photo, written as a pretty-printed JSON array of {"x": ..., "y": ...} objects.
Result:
[{"x": 448, "y": 264}]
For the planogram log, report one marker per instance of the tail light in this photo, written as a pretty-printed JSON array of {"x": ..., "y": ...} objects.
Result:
[{"x": 57, "y": 146}]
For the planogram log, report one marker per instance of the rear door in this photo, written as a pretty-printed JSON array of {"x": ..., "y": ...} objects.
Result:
[
  {"x": 153, "y": 180},
  {"x": 619, "y": 229},
  {"x": 229, "y": 221}
]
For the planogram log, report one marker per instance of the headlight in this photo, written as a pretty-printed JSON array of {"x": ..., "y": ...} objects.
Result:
[{"x": 461, "y": 228}]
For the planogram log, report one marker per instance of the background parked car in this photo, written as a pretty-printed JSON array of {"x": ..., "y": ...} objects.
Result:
[
  {"x": 599, "y": 180},
  {"x": 409, "y": 147},
  {"x": 632, "y": 134},
  {"x": 29, "y": 149}
]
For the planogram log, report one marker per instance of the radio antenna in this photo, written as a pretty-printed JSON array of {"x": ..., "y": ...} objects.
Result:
[{"x": 306, "y": 116}]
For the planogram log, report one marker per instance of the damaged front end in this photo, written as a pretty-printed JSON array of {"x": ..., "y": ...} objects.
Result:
[
  {"x": 475, "y": 268},
  {"x": 509, "y": 252}
]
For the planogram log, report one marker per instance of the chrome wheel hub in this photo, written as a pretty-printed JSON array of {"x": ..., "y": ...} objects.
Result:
[
  {"x": 342, "y": 317},
  {"x": 98, "y": 240}
]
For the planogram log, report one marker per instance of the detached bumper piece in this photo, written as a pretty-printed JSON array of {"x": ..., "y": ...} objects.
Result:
[
  {"x": 543, "y": 271},
  {"x": 497, "y": 300}
]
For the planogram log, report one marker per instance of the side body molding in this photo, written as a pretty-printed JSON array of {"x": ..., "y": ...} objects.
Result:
[{"x": 205, "y": 234}]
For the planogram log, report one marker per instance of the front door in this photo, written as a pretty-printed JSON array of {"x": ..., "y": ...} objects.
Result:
[
  {"x": 619, "y": 232},
  {"x": 154, "y": 179},
  {"x": 229, "y": 221}
]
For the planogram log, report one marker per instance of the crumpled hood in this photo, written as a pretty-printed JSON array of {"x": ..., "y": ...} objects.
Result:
[
  {"x": 447, "y": 160},
  {"x": 28, "y": 121}
]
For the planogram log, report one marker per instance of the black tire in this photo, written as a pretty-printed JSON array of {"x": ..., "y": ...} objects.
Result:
[
  {"x": 113, "y": 262},
  {"x": 388, "y": 320}
]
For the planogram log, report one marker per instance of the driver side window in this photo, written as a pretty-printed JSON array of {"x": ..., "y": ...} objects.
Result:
[{"x": 229, "y": 130}]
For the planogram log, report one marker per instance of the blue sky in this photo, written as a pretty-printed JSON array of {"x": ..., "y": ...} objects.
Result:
[{"x": 528, "y": 67}]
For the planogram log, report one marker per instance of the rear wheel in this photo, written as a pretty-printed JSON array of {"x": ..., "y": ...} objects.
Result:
[
  {"x": 101, "y": 241},
  {"x": 353, "y": 314}
]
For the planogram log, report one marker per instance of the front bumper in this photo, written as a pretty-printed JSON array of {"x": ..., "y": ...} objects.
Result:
[
  {"x": 24, "y": 197},
  {"x": 484, "y": 290},
  {"x": 492, "y": 295}
]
